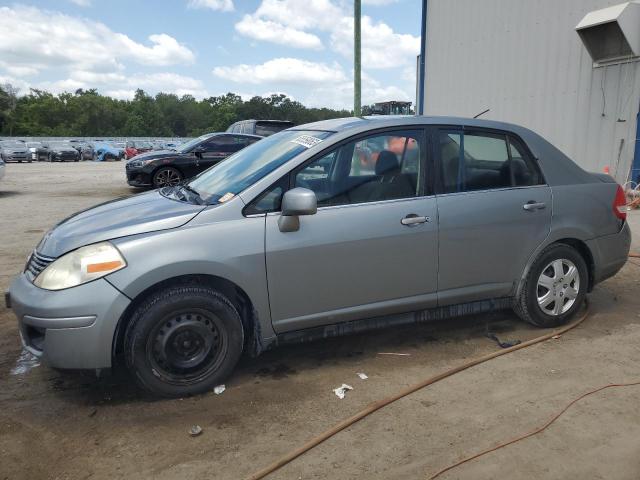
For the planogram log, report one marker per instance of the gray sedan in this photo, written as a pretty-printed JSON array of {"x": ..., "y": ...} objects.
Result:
[{"x": 324, "y": 229}]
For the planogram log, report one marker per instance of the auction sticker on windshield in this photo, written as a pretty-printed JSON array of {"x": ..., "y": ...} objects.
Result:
[{"x": 306, "y": 141}]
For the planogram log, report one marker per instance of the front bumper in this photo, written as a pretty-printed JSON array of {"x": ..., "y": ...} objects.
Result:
[
  {"x": 610, "y": 253},
  {"x": 138, "y": 178},
  {"x": 72, "y": 328}
]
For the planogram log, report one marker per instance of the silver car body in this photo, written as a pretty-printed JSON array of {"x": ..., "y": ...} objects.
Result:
[{"x": 345, "y": 265}]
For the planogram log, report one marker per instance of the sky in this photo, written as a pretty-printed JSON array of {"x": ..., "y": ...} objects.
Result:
[{"x": 302, "y": 48}]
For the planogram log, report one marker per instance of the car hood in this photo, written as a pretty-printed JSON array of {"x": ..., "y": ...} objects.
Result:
[
  {"x": 63, "y": 149},
  {"x": 147, "y": 212},
  {"x": 13, "y": 150}
]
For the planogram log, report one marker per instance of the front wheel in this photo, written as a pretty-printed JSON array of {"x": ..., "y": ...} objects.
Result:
[
  {"x": 166, "y": 177},
  {"x": 554, "y": 288},
  {"x": 183, "y": 340}
]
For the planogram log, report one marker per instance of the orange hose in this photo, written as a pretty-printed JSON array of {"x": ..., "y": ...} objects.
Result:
[{"x": 403, "y": 393}]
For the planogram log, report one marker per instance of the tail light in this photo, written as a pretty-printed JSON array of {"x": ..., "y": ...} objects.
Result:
[{"x": 620, "y": 204}]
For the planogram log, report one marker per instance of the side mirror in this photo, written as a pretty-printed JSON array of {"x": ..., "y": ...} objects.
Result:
[
  {"x": 199, "y": 150},
  {"x": 296, "y": 202}
]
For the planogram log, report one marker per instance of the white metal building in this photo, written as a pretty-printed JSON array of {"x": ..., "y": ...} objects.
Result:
[{"x": 567, "y": 69}]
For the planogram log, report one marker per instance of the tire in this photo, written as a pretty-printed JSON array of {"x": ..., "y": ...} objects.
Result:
[
  {"x": 50, "y": 158},
  {"x": 166, "y": 177},
  {"x": 554, "y": 287},
  {"x": 183, "y": 340}
]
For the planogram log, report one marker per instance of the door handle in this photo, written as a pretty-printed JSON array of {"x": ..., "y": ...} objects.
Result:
[
  {"x": 413, "y": 219},
  {"x": 531, "y": 206}
]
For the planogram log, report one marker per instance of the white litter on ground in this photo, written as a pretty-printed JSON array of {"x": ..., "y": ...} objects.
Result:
[
  {"x": 219, "y": 389},
  {"x": 363, "y": 376},
  {"x": 340, "y": 391},
  {"x": 195, "y": 430},
  {"x": 26, "y": 361}
]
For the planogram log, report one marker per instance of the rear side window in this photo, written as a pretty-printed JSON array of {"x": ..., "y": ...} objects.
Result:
[{"x": 471, "y": 161}]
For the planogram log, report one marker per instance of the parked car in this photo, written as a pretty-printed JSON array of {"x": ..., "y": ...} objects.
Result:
[
  {"x": 263, "y": 128},
  {"x": 38, "y": 151},
  {"x": 133, "y": 148},
  {"x": 326, "y": 229},
  {"x": 14, "y": 151},
  {"x": 170, "y": 167},
  {"x": 106, "y": 151},
  {"x": 87, "y": 151},
  {"x": 62, "y": 151},
  {"x": 2, "y": 168}
]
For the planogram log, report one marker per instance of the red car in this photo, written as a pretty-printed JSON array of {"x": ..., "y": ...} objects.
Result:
[{"x": 134, "y": 148}]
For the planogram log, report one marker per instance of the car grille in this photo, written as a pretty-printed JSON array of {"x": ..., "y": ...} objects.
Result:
[{"x": 37, "y": 263}]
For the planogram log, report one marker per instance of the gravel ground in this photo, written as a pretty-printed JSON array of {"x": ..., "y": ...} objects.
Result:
[{"x": 72, "y": 425}]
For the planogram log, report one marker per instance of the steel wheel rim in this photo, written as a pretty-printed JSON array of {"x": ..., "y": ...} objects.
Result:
[
  {"x": 185, "y": 347},
  {"x": 167, "y": 178},
  {"x": 558, "y": 287}
]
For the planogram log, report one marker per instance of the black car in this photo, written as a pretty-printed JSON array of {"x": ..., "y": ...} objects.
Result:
[
  {"x": 169, "y": 167},
  {"x": 38, "y": 151},
  {"x": 262, "y": 128},
  {"x": 62, "y": 152}
]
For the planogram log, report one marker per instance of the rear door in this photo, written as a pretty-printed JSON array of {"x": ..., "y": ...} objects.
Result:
[
  {"x": 494, "y": 210},
  {"x": 371, "y": 248}
]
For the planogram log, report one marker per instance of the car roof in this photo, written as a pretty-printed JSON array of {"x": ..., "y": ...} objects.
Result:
[{"x": 381, "y": 121}]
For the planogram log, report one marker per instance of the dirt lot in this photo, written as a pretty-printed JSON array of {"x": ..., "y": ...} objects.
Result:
[{"x": 70, "y": 425}]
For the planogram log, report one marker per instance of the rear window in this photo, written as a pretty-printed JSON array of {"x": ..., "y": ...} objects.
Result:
[{"x": 264, "y": 129}]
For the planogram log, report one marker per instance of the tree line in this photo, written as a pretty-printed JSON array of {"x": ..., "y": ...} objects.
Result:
[{"x": 86, "y": 113}]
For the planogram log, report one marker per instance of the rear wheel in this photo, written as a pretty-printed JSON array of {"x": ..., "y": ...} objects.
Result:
[
  {"x": 166, "y": 177},
  {"x": 183, "y": 340},
  {"x": 554, "y": 287}
]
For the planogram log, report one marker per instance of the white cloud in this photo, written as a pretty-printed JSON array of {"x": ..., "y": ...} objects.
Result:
[
  {"x": 381, "y": 46},
  {"x": 269, "y": 31},
  {"x": 40, "y": 39},
  {"x": 282, "y": 70},
  {"x": 81, "y": 3},
  {"x": 221, "y": 5},
  {"x": 165, "y": 50},
  {"x": 300, "y": 14},
  {"x": 291, "y": 23}
]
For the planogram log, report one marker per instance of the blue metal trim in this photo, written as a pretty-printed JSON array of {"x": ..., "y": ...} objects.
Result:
[
  {"x": 422, "y": 74},
  {"x": 635, "y": 168}
]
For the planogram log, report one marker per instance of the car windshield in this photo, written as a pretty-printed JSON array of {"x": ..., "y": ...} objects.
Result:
[
  {"x": 186, "y": 147},
  {"x": 242, "y": 169},
  {"x": 33, "y": 144}
]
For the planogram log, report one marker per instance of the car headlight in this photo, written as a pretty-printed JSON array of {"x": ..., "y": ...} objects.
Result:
[
  {"x": 81, "y": 266},
  {"x": 139, "y": 163}
]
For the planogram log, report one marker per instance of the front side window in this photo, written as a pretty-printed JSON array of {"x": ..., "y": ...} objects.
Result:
[
  {"x": 376, "y": 168},
  {"x": 471, "y": 161}
]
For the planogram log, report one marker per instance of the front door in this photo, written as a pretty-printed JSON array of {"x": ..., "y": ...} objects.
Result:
[
  {"x": 371, "y": 249},
  {"x": 494, "y": 210}
]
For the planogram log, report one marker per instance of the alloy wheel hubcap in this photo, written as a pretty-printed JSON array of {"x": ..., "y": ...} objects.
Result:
[
  {"x": 558, "y": 287},
  {"x": 167, "y": 178}
]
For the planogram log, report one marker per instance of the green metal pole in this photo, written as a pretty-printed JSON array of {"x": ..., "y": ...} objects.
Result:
[{"x": 357, "y": 88}]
